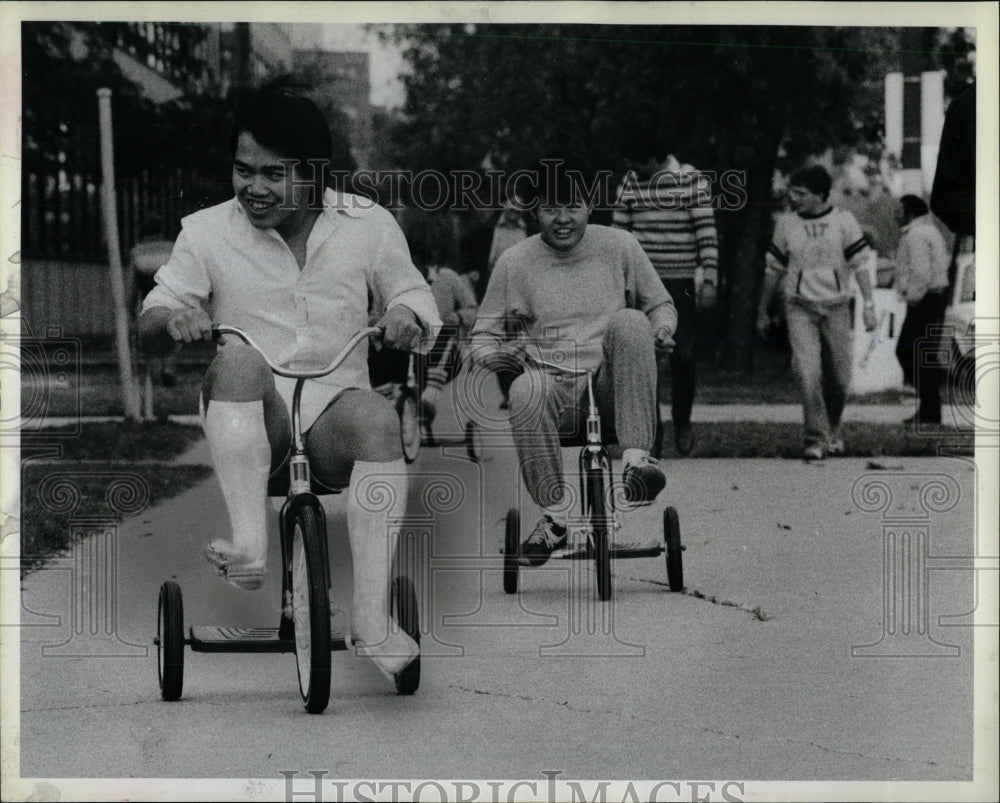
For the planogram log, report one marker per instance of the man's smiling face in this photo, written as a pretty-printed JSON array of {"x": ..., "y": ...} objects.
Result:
[
  {"x": 563, "y": 224},
  {"x": 261, "y": 184}
]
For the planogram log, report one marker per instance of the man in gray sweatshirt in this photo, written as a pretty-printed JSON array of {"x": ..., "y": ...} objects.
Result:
[{"x": 584, "y": 297}]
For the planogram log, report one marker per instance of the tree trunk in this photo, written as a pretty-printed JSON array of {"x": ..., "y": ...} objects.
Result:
[{"x": 749, "y": 230}]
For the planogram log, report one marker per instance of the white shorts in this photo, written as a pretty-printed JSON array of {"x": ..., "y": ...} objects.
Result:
[{"x": 315, "y": 399}]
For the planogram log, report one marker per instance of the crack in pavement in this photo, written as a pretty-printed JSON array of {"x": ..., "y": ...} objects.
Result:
[
  {"x": 563, "y": 703},
  {"x": 897, "y": 759},
  {"x": 756, "y": 611},
  {"x": 712, "y": 731},
  {"x": 81, "y": 706}
]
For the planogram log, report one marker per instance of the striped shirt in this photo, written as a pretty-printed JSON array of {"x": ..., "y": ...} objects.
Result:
[
  {"x": 675, "y": 228},
  {"x": 817, "y": 254}
]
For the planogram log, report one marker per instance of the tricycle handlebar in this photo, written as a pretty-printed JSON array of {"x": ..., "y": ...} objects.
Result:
[
  {"x": 304, "y": 372},
  {"x": 553, "y": 366}
]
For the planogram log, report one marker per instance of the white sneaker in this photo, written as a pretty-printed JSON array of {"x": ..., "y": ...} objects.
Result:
[
  {"x": 814, "y": 451},
  {"x": 391, "y": 651}
]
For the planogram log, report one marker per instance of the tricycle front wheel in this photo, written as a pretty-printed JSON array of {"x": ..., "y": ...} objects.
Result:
[{"x": 310, "y": 611}]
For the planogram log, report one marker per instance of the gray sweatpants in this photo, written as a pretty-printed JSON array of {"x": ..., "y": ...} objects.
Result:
[{"x": 545, "y": 405}]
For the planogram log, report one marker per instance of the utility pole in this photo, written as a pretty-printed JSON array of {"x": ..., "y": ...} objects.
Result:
[{"x": 130, "y": 391}]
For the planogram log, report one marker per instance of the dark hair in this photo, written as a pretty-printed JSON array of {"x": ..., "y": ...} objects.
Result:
[
  {"x": 282, "y": 118},
  {"x": 814, "y": 178},
  {"x": 913, "y": 206},
  {"x": 558, "y": 179}
]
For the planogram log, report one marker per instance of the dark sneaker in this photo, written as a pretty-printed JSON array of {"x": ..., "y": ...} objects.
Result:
[
  {"x": 428, "y": 404},
  {"x": 684, "y": 439},
  {"x": 835, "y": 447},
  {"x": 644, "y": 481},
  {"x": 545, "y": 539},
  {"x": 426, "y": 433}
]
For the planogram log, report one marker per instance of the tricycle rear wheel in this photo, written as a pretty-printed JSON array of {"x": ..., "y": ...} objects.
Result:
[
  {"x": 170, "y": 641},
  {"x": 675, "y": 560}
]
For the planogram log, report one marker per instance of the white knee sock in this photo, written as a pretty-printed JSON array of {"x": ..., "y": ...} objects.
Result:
[
  {"x": 237, "y": 439},
  {"x": 376, "y": 495}
]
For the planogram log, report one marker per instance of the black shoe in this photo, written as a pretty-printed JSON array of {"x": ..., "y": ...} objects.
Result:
[
  {"x": 644, "y": 481},
  {"x": 428, "y": 408},
  {"x": 545, "y": 539},
  {"x": 684, "y": 439},
  {"x": 426, "y": 433},
  {"x": 658, "y": 441}
]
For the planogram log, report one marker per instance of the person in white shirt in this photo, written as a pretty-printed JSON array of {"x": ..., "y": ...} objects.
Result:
[
  {"x": 815, "y": 250},
  {"x": 297, "y": 266},
  {"x": 921, "y": 281}
]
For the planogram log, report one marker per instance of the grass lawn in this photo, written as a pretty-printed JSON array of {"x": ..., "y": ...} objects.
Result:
[
  {"x": 45, "y": 531},
  {"x": 96, "y": 391},
  {"x": 122, "y": 441},
  {"x": 861, "y": 439},
  {"x": 100, "y": 470}
]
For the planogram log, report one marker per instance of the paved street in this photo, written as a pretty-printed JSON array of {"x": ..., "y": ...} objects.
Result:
[{"x": 748, "y": 674}]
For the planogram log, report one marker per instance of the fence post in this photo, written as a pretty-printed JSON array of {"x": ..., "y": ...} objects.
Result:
[{"x": 130, "y": 391}]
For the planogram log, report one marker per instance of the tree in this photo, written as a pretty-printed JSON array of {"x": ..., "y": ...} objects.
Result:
[
  {"x": 62, "y": 67},
  {"x": 956, "y": 55},
  {"x": 721, "y": 98},
  {"x": 65, "y": 63}
]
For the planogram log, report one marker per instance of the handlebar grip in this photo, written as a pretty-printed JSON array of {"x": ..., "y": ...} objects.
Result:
[{"x": 219, "y": 330}]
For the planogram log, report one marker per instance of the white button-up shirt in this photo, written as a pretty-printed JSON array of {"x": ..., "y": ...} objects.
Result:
[
  {"x": 357, "y": 259},
  {"x": 921, "y": 260}
]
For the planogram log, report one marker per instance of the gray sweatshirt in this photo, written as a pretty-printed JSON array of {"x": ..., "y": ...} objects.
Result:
[{"x": 562, "y": 301}]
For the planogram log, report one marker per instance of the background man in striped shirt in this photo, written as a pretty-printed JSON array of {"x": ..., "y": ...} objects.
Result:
[{"x": 668, "y": 209}]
